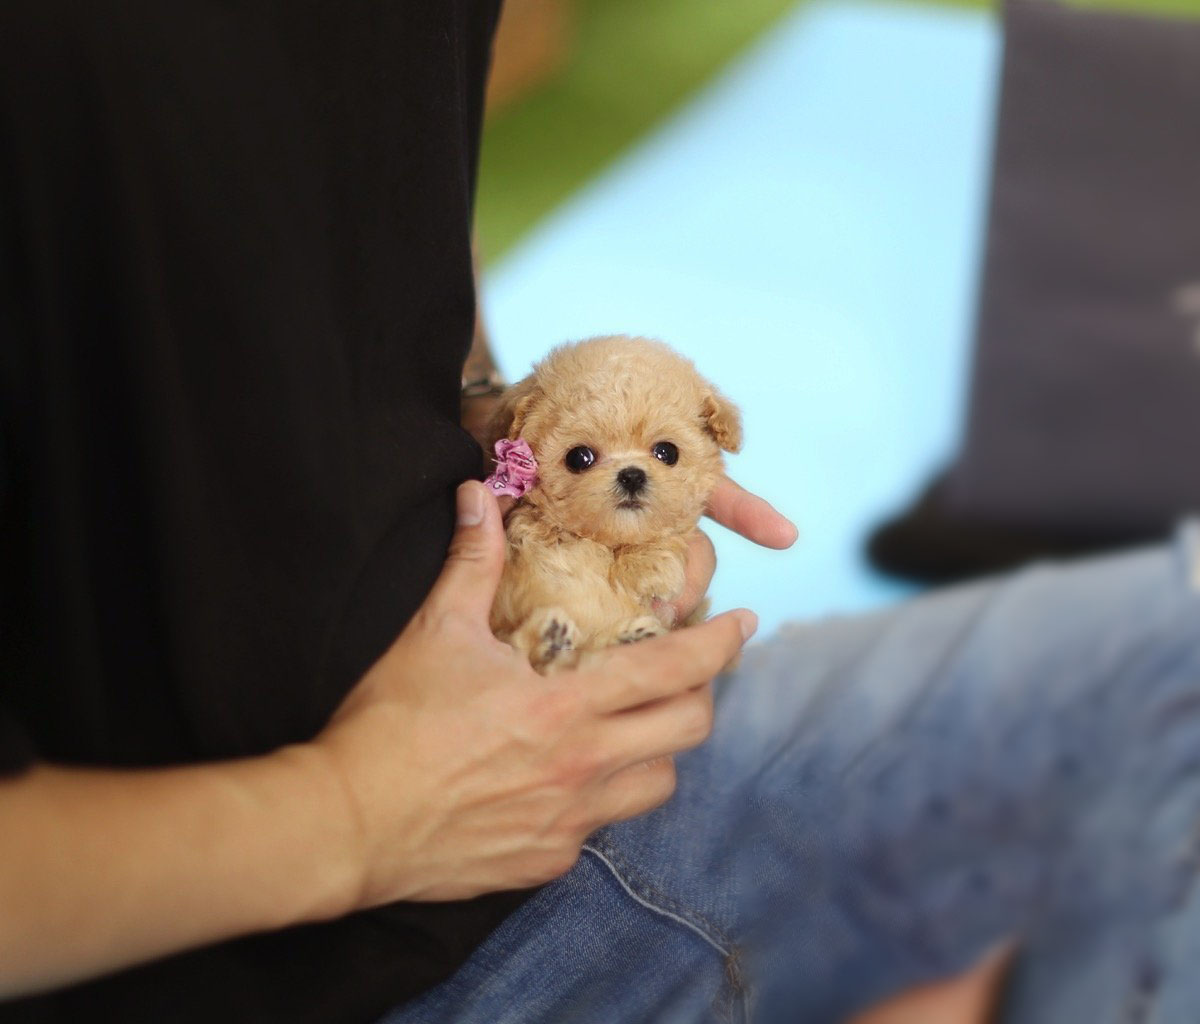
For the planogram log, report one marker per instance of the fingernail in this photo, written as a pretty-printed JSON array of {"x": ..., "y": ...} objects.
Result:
[
  {"x": 748, "y": 622},
  {"x": 470, "y": 505}
]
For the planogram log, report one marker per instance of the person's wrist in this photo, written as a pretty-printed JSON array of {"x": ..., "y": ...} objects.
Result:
[
  {"x": 476, "y": 415},
  {"x": 339, "y": 845}
]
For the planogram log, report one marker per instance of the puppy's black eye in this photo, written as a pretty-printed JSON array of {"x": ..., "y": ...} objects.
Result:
[
  {"x": 580, "y": 458},
  {"x": 666, "y": 452}
]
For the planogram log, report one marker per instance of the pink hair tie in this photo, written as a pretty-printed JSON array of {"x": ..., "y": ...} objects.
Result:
[{"x": 516, "y": 469}]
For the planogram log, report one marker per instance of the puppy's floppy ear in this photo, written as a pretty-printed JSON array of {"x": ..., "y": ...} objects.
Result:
[
  {"x": 721, "y": 419},
  {"x": 509, "y": 418}
]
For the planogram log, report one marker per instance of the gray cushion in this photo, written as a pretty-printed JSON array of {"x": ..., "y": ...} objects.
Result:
[{"x": 1084, "y": 417}]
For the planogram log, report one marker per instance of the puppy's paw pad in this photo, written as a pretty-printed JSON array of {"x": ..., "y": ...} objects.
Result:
[
  {"x": 557, "y": 636},
  {"x": 640, "y": 629},
  {"x": 556, "y": 639}
]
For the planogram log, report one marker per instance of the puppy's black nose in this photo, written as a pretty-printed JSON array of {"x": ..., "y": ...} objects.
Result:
[{"x": 632, "y": 479}]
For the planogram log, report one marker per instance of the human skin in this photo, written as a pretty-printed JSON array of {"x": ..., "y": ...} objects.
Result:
[
  {"x": 103, "y": 869},
  {"x": 965, "y": 999},
  {"x": 969, "y": 998},
  {"x": 450, "y": 770}
]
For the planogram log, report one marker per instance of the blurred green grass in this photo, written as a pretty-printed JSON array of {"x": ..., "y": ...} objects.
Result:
[{"x": 632, "y": 63}]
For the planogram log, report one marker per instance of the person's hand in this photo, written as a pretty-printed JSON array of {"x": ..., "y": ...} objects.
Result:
[
  {"x": 467, "y": 772},
  {"x": 969, "y": 998},
  {"x": 744, "y": 513}
]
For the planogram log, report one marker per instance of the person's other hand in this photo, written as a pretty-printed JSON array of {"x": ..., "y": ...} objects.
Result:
[
  {"x": 744, "y": 513},
  {"x": 466, "y": 772},
  {"x": 969, "y": 998}
]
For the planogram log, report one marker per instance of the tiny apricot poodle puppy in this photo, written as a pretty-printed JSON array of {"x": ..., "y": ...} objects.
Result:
[{"x": 627, "y": 439}]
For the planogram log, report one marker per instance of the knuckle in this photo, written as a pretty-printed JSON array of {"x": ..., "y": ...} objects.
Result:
[
  {"x": 577, "y": 824},
  {"x": 720, "y": 645},
  {"x": 661, "y": 782},
  {"x": 546, "y": 864},
  {"x": 617, "y": 664},
  {"x": 556, "y": 710},
  {"x": 643, "y": 787},
  {"x": 663, "y": 769},
  {"x": 705, "y": 548},
  {"x": 698, "y": 720},
  {"x": 700, "y": 662},
  {"x": 669, "y": 778},
  {"x": 441, "y": 619},
  {"x": 558, "y": 862},
  {"x": 469, "y": 551},
  {"x": 620, "y": 675},
  {"x": 575, "y": 767},
  {"x": 690, "y": 728}
]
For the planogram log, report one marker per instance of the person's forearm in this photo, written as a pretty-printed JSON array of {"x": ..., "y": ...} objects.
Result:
[{"x": 102, "y": 869}]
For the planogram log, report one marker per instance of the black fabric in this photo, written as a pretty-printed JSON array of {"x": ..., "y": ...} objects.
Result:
[
  {"x": 236, "y": 294},
  {"x": 1085, "y": 399}
]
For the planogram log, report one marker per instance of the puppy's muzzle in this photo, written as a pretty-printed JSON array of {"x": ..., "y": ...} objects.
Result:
[{"x": 632, "y": 480}]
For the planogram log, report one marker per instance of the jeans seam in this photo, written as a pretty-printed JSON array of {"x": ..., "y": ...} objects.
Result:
[
  {"x": 658, "y": 902},
  {"x": 737, "y": 1003}
]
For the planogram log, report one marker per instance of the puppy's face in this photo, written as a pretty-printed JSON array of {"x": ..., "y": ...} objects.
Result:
[{"x": 628, "y": 439}]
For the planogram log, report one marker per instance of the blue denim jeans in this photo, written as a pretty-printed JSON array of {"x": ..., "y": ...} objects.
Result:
[{"x": 883, "y": 798}]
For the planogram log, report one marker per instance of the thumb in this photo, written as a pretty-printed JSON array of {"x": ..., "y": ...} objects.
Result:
[{"x": 471, "y": 574}]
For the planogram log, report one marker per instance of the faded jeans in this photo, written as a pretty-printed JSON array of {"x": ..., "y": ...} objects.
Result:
[{"x": 885, "y": 797}]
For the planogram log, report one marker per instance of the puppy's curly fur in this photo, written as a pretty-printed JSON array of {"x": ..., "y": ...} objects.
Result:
[{"x": 593, "y": 552}]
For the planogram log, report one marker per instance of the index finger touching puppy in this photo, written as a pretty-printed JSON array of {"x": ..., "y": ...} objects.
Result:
[{"x": 698, "y": 573}]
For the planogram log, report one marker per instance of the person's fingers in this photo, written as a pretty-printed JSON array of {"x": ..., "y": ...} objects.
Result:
[
  {"x": 699, "y": 568},
  {"x": 506, "y": 503},
  {"x": 659, "y": 729},
  {"x": 635, "y": 790},
  {"x": 742, "y": 512},
  {"x": 969, "y": 998},
  {"x": 625, "y": 677},
  {"x": 471, "y": 574}
]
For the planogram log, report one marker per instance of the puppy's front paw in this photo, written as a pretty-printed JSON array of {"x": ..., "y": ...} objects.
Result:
[
  {"x": 641, "y": 628},
  {"x": 550, "y": 638},
  {"x": 651, "y": 573},
  {"x": 558, "y": 635}
]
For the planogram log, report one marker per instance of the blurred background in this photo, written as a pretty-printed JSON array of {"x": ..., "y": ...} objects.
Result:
[{"x": 795, "y": 195}]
